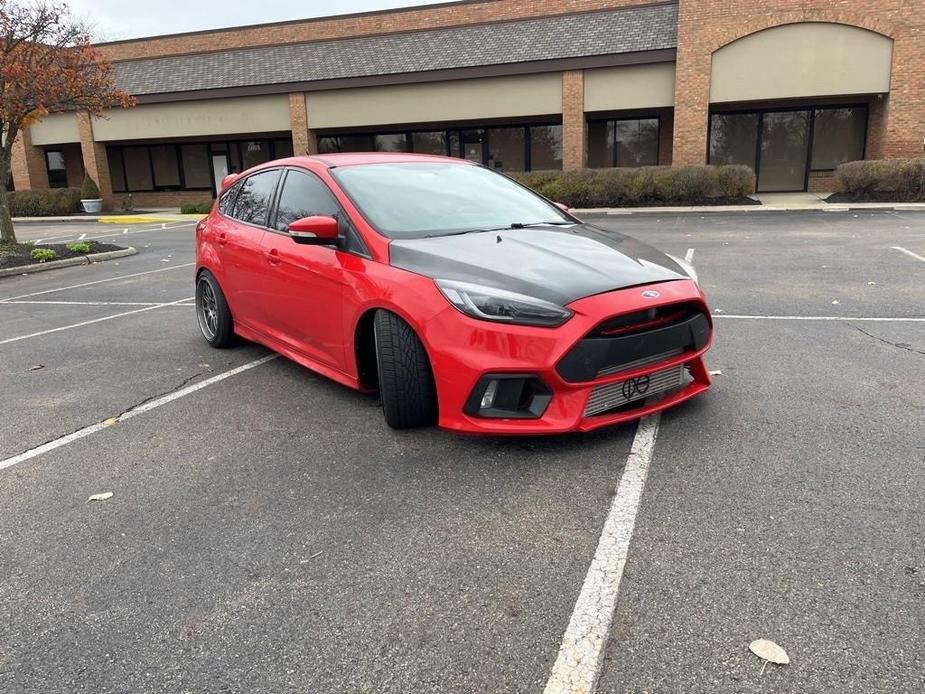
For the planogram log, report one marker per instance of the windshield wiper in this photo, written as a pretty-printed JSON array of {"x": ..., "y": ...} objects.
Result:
[{"x": 512, "y": 225}]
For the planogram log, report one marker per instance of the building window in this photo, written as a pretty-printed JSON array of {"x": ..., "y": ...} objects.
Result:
[
  {"x": 392, "y": 142},
  {"x": 623, "y": 142},
  {"x": 429, "y": 143},
  {"x": 116, "y": 170},
  {"x": 57, "y": 171},
  {"x": 506, "y": 149},
  {"x": 282, "y": 149},
  {"x": 783, "y": 145},
  {"x": 254, "y": 153},
  {"x": 838, "y": 136},
  {"x": 164, "y": 164},
  {"x": 545, "y": 147},
  {"x": 138, "y": 174},
  {"x": 196, "y": 166},
  {"x": 734, "y": 139}
]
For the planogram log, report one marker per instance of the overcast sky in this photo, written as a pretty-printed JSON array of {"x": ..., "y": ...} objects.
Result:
[{"x": 125, "y": 19}]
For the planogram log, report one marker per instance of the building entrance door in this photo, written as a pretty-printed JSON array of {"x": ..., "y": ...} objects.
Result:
[
  {"x": 219, "y": 170},
  {"x": 784, "y": 151}
]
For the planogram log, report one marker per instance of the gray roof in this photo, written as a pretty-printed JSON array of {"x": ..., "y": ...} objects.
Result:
[{"x": 569, "y": 36}]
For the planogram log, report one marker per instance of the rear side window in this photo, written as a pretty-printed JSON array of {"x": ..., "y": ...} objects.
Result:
[
  {"x": 255, "y": 197},
  {"x": 304, "y": 195},
  {"x": 226, "y": 202}
]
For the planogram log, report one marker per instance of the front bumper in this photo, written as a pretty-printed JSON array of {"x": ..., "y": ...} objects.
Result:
[{"x": 463, "y": 351}]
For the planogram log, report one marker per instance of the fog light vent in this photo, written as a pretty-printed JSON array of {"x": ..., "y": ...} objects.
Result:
[{"x": 508, "y": 396}]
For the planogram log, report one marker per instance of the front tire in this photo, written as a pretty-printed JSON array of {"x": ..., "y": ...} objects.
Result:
[
  {"x": 406, "y": 382},
  {"x": 212, "y": 312}
]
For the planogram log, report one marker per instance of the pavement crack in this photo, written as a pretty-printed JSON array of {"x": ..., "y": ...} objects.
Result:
[
  {"x": 185, "y": 382},
  {"x": 898, "y": 345}
]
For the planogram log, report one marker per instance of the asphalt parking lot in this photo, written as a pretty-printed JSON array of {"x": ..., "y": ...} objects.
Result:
[{"x": 268, "y": 533}]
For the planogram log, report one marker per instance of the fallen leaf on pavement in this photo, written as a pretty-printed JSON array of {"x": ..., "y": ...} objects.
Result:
[
  {"x": 716, "y": 373},
  {"x": 100, "y": 497},
  {"x": 36, "y": 367},
  {"x": 770, "y": 652}
]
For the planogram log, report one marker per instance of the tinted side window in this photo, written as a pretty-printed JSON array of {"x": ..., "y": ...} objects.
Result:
[
  {"x": 226, "y": 202},
  {"x": 253, "y": 202},
  {"x": 304, "y": 196}
]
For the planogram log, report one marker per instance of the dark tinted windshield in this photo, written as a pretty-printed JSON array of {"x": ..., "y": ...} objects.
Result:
[{"x": 412, "y": 200}]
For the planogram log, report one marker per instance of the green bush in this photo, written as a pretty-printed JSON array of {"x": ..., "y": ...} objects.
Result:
[
  {"x": 648, "y": 185},
  {"x": 78, "y": 247},
  {"x": 43, "y": 254},
  {"x": 888, "y": 180},
  {"x": 88, "y": 189},
  {"x": 44, "y": 203},
  {"x": 196, "y": 208}
]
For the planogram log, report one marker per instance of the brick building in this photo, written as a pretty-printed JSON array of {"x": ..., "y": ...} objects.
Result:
[{"x": 789, "y": 87}]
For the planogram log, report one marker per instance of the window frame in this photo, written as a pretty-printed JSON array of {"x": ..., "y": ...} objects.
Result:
[
  {"x": 812, "y": 108},
  {"x": 448, "y": 138},
  {"x": 231, "y": 147},
  {"x": 343, "y": 218},
  {"x": 48, "y": 168},
  {"x": 612, "y": 122}
]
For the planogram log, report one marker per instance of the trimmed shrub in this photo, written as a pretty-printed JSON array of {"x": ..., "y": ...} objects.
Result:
[
  {"x": 43, "y": 254},
  {"x": 78, "y": 247},
  {"x": 196, "y": 208},
  {"x": 88, "y": 189},
  {"x": 883, "y": 180},
  {"x": 648, "y": 185},
  {"x": 44, "y": 203}
]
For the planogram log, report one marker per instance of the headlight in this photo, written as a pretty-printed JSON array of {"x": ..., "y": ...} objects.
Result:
[
  {"x": 687, "y": 267},
  {"x": 488, "y": 303}
]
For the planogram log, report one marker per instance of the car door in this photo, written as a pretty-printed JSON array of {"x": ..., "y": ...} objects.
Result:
[
  {"x": 238, "y": 237},
  {"x": 304, "y": 283}
]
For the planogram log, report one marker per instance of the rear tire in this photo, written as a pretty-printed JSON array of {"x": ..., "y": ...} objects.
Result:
[
  {"x": 406, "y": 382},
  {"x": 212, "y": 312}
]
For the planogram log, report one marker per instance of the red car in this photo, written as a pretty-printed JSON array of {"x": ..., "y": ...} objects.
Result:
[{"x": 463, "y": 297}]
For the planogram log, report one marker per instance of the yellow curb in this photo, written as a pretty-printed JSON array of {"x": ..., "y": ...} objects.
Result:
[{"x": 135, "y": 219}]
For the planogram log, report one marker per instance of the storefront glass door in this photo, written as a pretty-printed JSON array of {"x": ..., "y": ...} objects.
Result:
[{"x": 784, "y": 148}]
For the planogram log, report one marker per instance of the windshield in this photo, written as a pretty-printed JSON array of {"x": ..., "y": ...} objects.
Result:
[{"x": 416, "y": 199}]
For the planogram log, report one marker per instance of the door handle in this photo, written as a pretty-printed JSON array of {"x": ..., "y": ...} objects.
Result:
[
  {"x": 273, "y": 256},
  {"x": 222, "y": 238}
]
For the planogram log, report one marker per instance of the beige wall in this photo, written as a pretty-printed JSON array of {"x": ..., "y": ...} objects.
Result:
[
  {"x": 54, "y": 129},
  {"x": 253, "y": 114},
  {"x": 630, "y": 87},
  {"x": 800, "y": 60},
  {"x": 494, "y": 97}
]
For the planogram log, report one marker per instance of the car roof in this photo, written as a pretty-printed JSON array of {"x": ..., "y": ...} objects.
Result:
[{"x": 356, "y": 158}]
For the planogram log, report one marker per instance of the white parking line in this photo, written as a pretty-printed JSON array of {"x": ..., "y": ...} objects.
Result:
[
  {"x": 89, "y": 284},
  {"x": 578, "y": 665},
  {"x": 91, "y": 322},
  {"x": 134, "y": 412},
  {"x": 908, "y": 252},
  {"x": 90, "y": 303},
  {"x": 60, "y": 238},
  {"x": 689, "y": 256},
  {"x": 861, "y": 319}
]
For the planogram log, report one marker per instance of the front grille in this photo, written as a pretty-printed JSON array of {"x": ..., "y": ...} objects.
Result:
[
  {"x": 636, "y": 339},
  {"x": 613, "y": 396}
]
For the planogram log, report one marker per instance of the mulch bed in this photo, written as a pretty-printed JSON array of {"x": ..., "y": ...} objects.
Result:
[
  {"x": 15, "y": 256},
  {"x": 873, "y": 197}
]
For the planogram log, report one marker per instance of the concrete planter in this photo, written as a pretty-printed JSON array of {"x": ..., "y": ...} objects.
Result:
[{"x": 92, "y": 206}]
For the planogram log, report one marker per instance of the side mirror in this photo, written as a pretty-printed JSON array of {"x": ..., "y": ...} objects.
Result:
[
  {"x": 228, "y": 180},
  {"x": 315, "y": 230},
  {"x": 562, "y": 206}
]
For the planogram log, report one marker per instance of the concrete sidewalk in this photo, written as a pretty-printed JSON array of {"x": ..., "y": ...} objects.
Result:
[{"x": 770, "y": 202}]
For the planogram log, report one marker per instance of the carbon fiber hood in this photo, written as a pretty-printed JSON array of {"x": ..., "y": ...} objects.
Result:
[{"x": 558, "y": 264}]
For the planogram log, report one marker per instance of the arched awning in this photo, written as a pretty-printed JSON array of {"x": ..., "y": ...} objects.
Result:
[{"x": 802, "y": 60}]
